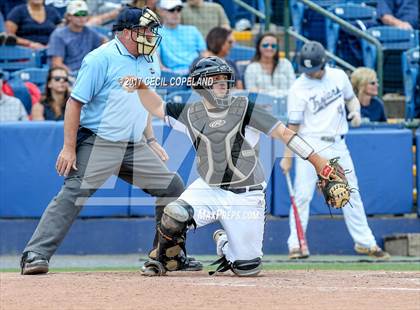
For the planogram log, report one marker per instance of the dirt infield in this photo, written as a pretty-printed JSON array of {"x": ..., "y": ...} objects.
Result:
[{"x": 273, "y": 290}]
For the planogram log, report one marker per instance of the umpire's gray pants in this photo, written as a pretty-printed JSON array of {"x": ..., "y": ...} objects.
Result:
[{"x": 97, "y": 160}]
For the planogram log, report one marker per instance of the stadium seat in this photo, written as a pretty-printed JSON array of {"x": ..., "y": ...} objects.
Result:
[
  {"x": 394, "y": 41},
  {"x": 410, "y": 66},
  {"x": 235, "y": 12},
  {"x": 183, "y": 96},
  {"x": 20, "y": 91},
  {"x": 240, "y": 53},
  {"x": 1, "y": 23},
  {"x": 38, "y": 76},
  {"x": 103, "y": 31},
  {"x": 309, "y": 23},
  {"x": 342, "y": 43},
  {"x": 276, "y": 106},
  {"x": 173, "y": 82},
  {"x": 14, "y": 58}
]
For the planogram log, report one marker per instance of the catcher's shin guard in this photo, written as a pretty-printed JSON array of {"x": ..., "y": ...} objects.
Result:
[{"x": 176, "y": 218}]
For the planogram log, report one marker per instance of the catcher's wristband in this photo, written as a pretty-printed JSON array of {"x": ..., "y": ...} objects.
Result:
[{"x": 300, "y": 147}]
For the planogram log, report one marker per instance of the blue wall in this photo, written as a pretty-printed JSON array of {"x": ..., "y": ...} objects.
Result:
[
  {"x": 134, "y": 235},
  {"x": 382, "y": 156}
]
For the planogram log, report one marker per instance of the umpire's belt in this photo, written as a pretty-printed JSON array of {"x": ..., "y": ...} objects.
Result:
[
  {"x": 241, "y": 190},
  {"x": 332, "y": 139}
]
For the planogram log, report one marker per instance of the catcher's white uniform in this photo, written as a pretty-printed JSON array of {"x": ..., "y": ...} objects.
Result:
[{"x": 318, "y": 106}]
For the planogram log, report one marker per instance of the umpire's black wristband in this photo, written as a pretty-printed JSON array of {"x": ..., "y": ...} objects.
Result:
[{"x": 151, "y": 140}]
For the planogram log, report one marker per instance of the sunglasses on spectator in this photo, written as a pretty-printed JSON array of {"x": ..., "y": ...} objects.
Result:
[
  {"x": 81, "y": 14},
  {"x": 176, "y": 9},
  {"x": 267, "y": 45},
  {"x": 60, "y": 78},
  {"x": 373, "y": 83}
]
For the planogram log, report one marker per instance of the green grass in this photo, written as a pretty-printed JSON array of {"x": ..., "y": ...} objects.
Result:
[
  {"x": 346, "y": 266},
  {"x": 271, "y": 262},
  {"x": 382, "y": 266}
]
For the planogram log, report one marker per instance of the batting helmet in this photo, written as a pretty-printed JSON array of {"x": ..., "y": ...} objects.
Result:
[
  {"x": 206, "y": 68},
  {"x": 312, "y": 57},
  {"x": 144, "y": 25}
]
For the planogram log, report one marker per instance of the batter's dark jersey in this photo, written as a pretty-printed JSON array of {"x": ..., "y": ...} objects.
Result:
[{"x": 255, "y": 117}]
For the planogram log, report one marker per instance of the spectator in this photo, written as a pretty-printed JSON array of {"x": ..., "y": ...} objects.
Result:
[
  {"x": 365, "y": 86},
  {"x": 59, "y": 5},
  {"x": 103, "y": 11},
  {"x": 11, "y": 108},
  {"x": 7, "y": 39},
  {"x": 7, "y": 5},
  {"x": 69, "y": 45},
  {"x": 204, "y": 15},
  {"x": 32, "y": 23},
  {"x": 151, "y": 4},
  {"x": 267, "y": 73},
  {"x": 57, "y": 92},
  {"x": 399, "y": 13},
  {"x": 181, "y": 44},
  {"x": 219, "y": 42}
]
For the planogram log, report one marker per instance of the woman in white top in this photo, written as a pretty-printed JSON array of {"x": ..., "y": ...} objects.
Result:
[{"x": 268, "y": 73}]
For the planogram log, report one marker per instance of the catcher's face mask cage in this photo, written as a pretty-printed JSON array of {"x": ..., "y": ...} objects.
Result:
[
  {"x": 202, "y": 80},
  {"x": 146, "y": 34}
]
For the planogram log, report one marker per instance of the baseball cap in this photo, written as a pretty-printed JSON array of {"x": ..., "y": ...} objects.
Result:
[
  {"x": 312, "y": 57},
  {"x": 76, "y": 6},
  {"x": 128, "y": 18},
  {"x": 170, "y": 4}
]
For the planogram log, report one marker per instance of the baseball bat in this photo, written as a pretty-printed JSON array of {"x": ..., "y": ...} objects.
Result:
[{"x": 301, "y": 235}]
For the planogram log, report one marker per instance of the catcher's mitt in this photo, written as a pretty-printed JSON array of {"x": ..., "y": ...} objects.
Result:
[{"x": 333, "y": 184}]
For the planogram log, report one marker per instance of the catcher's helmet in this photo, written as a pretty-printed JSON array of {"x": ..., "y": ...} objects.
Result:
[
  {"x": 140, "y": 21},
  {"x": 206, "y": 68},
  {"x": 312, "y": 57}
]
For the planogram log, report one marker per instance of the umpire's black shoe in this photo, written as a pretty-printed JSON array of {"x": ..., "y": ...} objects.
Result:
[{"x": 33, "y": 263}]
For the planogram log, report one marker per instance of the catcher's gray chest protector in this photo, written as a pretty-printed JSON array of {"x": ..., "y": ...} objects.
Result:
[{"x": 224, "y": 157}]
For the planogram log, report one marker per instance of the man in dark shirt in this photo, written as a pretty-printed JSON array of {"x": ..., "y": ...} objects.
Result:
[
  {"x": 399, "y": 13},
  {"x": 225, "y": 131}
]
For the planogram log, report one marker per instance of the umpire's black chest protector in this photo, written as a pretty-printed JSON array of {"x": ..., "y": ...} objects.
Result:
[{"x": 224, "y": 157}]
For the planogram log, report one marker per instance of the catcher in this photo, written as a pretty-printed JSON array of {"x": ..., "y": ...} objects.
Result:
[{"x": 225, "y": 130}]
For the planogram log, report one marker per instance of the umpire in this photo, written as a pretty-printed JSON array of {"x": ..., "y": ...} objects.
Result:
[{"x": 107, "y": 132}]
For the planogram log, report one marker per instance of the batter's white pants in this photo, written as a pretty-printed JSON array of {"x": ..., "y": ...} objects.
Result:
[
  {"x": 305, "y": 183},
  {"x": 241, "y": 215}
]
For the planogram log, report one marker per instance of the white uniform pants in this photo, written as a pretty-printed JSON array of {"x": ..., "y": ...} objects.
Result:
[
  {"x": 241, "y": 215},
  {"x": 305, "y": 183}
]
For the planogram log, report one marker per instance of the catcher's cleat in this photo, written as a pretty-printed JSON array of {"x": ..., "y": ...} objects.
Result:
[
  {"x": 186, "y": 263},
  {"x": 297, "y": 254},
  {"x": 375, "y": 252},
  {"x": 33, "y": 263},
  {"x": 220, "y": 237}
]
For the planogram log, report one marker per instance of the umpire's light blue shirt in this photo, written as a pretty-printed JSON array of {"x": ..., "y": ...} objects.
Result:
[{"x": 109, "y": 111}]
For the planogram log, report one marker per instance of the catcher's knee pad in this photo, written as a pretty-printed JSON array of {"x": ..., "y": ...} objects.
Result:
[
  {"x": 247, "y": 268},
  {"x": 176, "y": 218}
]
